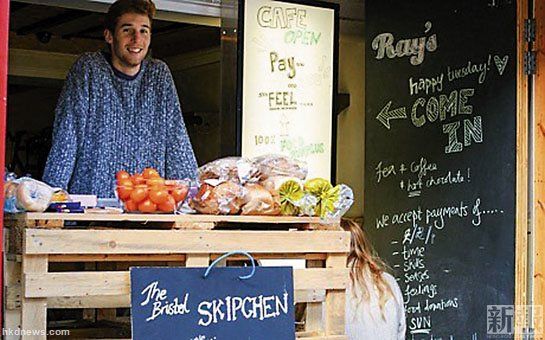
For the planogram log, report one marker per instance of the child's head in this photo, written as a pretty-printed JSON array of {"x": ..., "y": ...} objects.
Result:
[{"x": 365, "y": 264}]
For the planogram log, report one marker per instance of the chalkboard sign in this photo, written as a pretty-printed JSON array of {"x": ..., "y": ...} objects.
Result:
[
  {"x": 289, "y": 77},
  {"x": 440, "y": 157},
  {"x": 179, "y": 303}
]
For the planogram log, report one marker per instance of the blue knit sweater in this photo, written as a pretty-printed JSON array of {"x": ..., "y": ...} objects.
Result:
[{"x": 105, "y": 123}]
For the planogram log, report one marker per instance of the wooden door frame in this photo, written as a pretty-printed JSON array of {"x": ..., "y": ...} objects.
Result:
[
  {"x": 521, "y": 224},
  {"x": 538, "y": 251},
  {"x": 4, "y": 34}
]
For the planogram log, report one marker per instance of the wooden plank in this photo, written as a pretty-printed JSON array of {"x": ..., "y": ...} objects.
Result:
[
  {"x": 194, "y": 225},
  {"x": 310, "y": 257},
  {"x": 106, "y": 301},
  {"x": 197, "y": 260},
  {"x": 13, "y": 297},
  {"x": 521, "y": 222},
  {"x": 309, "y": 295},
  {"x": 116, "y": 258},
  {"x": 34, "y": 311},
  {"x": 335, "y": 300},
  {"x": 106, "y": 314},
  {"x": 197, "y": 218},
  {"x": 39, "y": 64},
  {"x": 89, "y": 314},
  {"x": 314, "y": 321},
  {"x": 12, "y": 321},
  {"x": 177, "y": 258},
  {"x": 538, "y": 251},
  {"x": 123, "y": 301},
  {"x": 12, "y": 284},
  {"x": 39, "y": 241},
  {"x": 118, "y": 283}
]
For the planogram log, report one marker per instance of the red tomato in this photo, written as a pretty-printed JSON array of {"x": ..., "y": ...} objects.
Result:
[
  {"x": 147, "y": 206},
  {"x": 138, "y": 179},
  {"x": 124, "y": 188},
  {"x": 168, "y": 206},
  {"x": 150, "y": 173},
  {"x": 139, "y": 193},
  {"x": 124, "y": 192},
  {"x": 179, "y": 193},
  {"x": 122, "y": 174},
  {"x": 131, "y": 206},
  {"x": 155, "y": 181},
  {"x": 158, "y": 195},
  {"x": 124, "y": 182}
]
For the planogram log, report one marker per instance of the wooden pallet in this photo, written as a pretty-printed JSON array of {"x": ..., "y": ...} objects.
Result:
[{"x": 108, "y": 252}]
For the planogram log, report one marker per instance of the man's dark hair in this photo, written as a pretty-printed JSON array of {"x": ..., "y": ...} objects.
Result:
[{"x": 120, "y": 7}]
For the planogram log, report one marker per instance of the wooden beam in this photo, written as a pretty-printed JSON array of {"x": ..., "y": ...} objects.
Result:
[
  {"x": 45, "y": 241},
  {"x": 521, "y": 222},
  {"x": 198, "y": 12},
  {"x": 538, "y": 251},
  {"x": 73, "y": 284},
  {"x": 57, "y": 20},
  {"x": 33, "y": 310},
  {"x": 123, "y": 301},
  {"x": 39, "y": 64},
  {"x": 169, "y": 218}
]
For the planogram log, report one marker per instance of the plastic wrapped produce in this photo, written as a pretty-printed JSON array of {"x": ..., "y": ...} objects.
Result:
[
  {"x": 31, "y": 195},
  {"x": 343, "y": 204},
  {"x": 290, "y": 192},
  {"x": 307, "y": 205},
  {"x": 205, "y": 201},
  {"x": 234, "y": 169},
  {"x": 278, "y": 165},
  {"x": 225, "y": 198},
  {"x": 259, "y": 201},
  {"x": 325, "y": 193}
]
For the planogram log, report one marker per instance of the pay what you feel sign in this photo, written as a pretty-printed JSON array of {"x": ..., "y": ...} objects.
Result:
[{"x": 179, "y": 303}]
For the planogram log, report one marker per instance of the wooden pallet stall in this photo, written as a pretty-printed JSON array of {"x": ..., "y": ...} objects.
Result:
[{"x": 109, "y": 245}]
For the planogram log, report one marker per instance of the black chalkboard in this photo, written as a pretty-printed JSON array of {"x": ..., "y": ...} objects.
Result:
[
  {"x": 180, "y": 303},
  {"x": 440, "y": 154}
]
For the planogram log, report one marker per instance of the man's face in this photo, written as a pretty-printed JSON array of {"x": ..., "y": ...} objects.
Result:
[{"x": 130, "y": 42}]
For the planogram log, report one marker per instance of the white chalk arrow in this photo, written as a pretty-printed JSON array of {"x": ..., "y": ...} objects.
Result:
[{"x": 385, "y": 114}]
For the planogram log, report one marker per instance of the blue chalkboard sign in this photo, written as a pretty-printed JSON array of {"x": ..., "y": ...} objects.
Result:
[{"x": 180, "y": 303}]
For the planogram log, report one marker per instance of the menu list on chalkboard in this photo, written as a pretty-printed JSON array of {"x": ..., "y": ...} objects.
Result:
[
  {"x": 288, "y": 81},
  {"x": 440, "y": 159}
]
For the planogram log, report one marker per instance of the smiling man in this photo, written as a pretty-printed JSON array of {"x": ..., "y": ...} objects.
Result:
[{"x": 118, "y": 110}]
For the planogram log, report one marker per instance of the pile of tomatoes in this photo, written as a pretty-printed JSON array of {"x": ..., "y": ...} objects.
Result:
[{"x": 148, "y": 192}]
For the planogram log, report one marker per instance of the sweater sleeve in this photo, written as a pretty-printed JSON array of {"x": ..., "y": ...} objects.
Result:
[
  {"x": 180, "y": 158},
  {"x": 71, "y": 108}
]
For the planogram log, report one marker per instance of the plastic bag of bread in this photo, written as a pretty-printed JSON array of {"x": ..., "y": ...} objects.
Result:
[
  {"x": 259, "y": 201},
  {"x": 10, "y": 193},
  {"x": 226, "y": 198},
  {"x": 278, "y": 165},
  {"x": 234, "y": 169},
  {"x": 32, "y": 195}
]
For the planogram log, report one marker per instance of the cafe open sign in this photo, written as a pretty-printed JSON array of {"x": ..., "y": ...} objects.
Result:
[
  {"x": 288, "y": 82},
  {"x": 180, "y": 303}
]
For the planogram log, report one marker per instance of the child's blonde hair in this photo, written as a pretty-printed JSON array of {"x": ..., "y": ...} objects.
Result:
[{"x": 363, "y": 260}]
